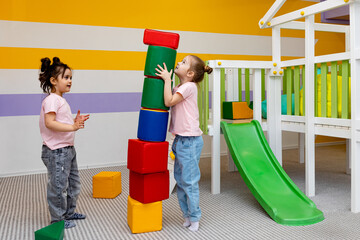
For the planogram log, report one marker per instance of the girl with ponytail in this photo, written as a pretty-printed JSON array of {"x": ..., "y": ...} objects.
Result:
[
  {"x": 184, "y": 125},
  {"x": 57, "y": 129}
]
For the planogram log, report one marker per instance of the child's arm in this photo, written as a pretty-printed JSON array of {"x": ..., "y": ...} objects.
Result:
[
  {"x": 51, "y": 123},
  {"x": 169, "y": 99}
]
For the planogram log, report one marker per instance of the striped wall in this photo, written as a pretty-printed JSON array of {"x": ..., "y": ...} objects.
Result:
[{"x": 102, "y": 42}]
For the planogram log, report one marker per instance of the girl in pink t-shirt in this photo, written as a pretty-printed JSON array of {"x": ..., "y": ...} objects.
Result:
[
  {"x": 57, "y": 129},
  {"x": 188, "y": 142}
]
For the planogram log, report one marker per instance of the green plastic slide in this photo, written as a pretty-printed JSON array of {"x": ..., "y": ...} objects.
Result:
[{"x": 266, "y": 179}]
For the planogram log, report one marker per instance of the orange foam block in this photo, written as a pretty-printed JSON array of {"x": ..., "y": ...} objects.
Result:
[
  {"x": 107, "y": 184},
  {"x": 236, "y": 110},
  {"x": 143, "y": 218}
]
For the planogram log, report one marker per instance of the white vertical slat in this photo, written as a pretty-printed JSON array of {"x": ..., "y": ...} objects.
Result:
[
  {"x": 348, "y": 142},
  {"x": 216, "y": 117},
  {"x": 309, "y": 110},
  {"x": 235, "y": 84},
  {"x": 230, "y": 96},
  {"x": 274, "y": 100},
  {"x": 229, "y": 84},
  {"x": 301, "y": 147},
  {"x": 257, "y": 94},
  {"x": 355, "y": 102}
]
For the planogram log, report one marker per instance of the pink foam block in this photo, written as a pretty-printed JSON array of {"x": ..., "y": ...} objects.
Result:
[{"x": 163, "y": 39}]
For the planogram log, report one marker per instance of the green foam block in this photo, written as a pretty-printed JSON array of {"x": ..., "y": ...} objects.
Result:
[
  {"x": 159, "y": 55},
  {"x": 54, "y": 231},
  {"x": 153, "y": 94},
  {"x": 228, "y": 110}
]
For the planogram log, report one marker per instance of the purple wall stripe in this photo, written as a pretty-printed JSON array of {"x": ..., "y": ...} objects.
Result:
[{"x": 30, "y": 104}]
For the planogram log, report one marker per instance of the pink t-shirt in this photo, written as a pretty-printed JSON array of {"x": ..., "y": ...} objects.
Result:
[
  {"x": 58, "y": 105},
  {"x": 185, "y": 114}
]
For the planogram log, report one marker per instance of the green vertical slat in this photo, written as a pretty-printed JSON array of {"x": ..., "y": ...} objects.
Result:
[
  {"x": 292, "y": 82},
  {"x": 349, "y": 90},
  {"x": 303, "y": 87},
  {"x": 297, "y": 89},
  {"x": 340, "y": 70},
  {"x": 200, "y": 105},
  {"x": 247, "y": 85},
  {"x": 324, "y": 68},
  {"x": 262, "y": 84},
  {"x": 334, "y": 90},
  {"x": 288, "y": 90},
  {"x": 206, "y": 98},
  {"x": 345, "y": 90},
  {"x": 316, "y": 97},
  {"x": 284, "y": 81},
  {"x": 222, "y": 82},
  {"x": 240, "y": 84}
]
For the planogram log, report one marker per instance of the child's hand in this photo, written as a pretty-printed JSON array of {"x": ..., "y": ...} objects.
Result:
[
  {"x": 79, "y": 121},
  {"x": 78, "y": 125},
  {"x": 163, "y": 73},
  {"x": 82, "y": 118}
]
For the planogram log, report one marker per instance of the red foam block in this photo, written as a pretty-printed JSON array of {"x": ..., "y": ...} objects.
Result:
[
  {"x": 147, "y": 157},
  {"x": 159, "y": 38},
  {"x": 148, "y": 188}
]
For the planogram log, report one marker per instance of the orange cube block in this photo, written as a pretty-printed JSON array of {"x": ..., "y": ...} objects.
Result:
[
  {"x": 241, "y": 110},
  {"x": 107, "y": 184},
  {"x": 143, "y": 218}
]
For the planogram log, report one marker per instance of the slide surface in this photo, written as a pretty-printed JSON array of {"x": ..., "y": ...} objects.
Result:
[{"x": 266, "y": 179}]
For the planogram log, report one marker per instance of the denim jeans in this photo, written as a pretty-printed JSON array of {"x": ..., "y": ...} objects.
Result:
[
  {"x": 187, "y": 152},
  {"x": 63, "y": 185}
]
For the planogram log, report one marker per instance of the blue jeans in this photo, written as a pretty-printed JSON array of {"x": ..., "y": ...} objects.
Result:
[
  {"x": 63, "y": 185},
  {"x": 187, "y": 152}
]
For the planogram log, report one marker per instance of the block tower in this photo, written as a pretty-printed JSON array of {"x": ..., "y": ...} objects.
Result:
[{"x": 148, "y": 155}]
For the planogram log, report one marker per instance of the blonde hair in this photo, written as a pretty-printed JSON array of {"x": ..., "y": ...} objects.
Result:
[{"x": 199, "y": 68}]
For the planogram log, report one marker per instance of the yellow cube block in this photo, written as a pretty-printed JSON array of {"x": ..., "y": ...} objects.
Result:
[
  {"x": 106, "y": 184},
  {"x": 143, "y": 218}
]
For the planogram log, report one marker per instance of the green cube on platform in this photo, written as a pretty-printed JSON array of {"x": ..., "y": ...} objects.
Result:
[
  {"x": 54, "y": 231},
  {"x": 157, "y": 55},
  {"x": 153, "y": 94}
]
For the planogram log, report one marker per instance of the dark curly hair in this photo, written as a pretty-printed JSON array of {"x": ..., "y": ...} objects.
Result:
[{"x": 49, "y": 70}]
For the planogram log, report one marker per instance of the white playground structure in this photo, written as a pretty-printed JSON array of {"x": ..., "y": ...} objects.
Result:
[{"x": 308, "y": 124}]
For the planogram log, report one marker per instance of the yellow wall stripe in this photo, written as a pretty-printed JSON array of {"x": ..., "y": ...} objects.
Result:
[
  {"x": 231, "y": 16},
  {"x": 29, "y": 58}
]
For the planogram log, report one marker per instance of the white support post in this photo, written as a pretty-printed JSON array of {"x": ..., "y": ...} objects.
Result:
[
  {"x": 309, "y": 103},
  {"x": 257, "y": 95},
  {"x": 355, "y": 102},
  {"x": 231, "y": 87},
  {"x": 274, "y": 100},
  {"x": 348, "y": 156},
  {"x": 216, "y": 118},
  {"x": 348, "y": 141},
  {"x": 301, "y": 147}
]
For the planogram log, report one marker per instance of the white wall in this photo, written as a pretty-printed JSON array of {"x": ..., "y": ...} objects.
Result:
[{"x": 104, "y": 140}]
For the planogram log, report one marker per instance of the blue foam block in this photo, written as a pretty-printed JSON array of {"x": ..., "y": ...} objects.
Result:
[{"x": 152, "y": 125}]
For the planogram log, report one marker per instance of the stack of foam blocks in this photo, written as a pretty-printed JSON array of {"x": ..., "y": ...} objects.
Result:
[{"x": 148, "y": 155}]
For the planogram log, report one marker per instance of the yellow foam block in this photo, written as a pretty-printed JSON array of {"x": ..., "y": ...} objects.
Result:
[
  {"x": 241, "y": 110},
  {"x": 144, "y": 217},
  {"x": 106, "y": 184}
]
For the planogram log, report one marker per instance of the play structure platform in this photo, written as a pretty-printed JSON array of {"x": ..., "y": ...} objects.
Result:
[{"x": 266, "y": 179}]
